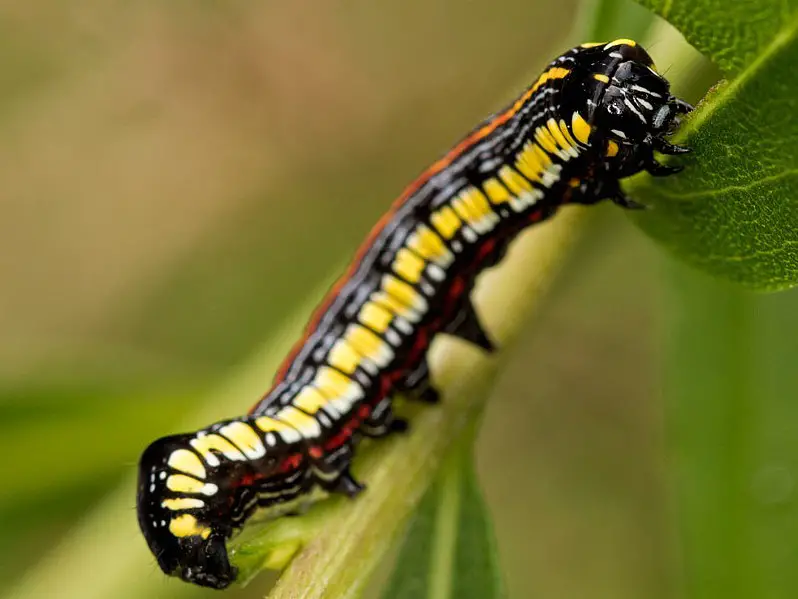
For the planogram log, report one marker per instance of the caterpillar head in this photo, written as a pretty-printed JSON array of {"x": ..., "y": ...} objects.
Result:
[{"x": 179, "y": 528}]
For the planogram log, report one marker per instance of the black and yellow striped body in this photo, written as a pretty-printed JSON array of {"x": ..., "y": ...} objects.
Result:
[{"x": 593, "y": 116}]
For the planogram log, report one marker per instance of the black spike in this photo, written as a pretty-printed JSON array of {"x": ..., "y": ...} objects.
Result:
[
  {"x": 665, "y": 147},
  {"x": 624, "y": 201},
  {"x": 662, "y": 170},
  {"x": 429, "y": 394},
  {"x": 466, "y": 325},
  {"x": 347, "y": 485}
]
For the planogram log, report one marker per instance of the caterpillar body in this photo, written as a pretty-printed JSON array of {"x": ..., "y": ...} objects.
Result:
[{"x": 595, "y": 115}]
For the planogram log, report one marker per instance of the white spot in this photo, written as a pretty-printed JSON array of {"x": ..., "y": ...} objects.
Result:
[
  {"x": 209, "y": 489},
  {"x": 436, "y": 272},
  {"x": 616, "y": 54},
  {"x": 457, "y": 246},
  {"x": 163, "y": 522},
  {"x": 152, "y": 488},
  {"x": 393, "y": 337},
  {"x": 162, "y": 475},
  {"x": 645, "y": 90},
  {"x": 271, "y": 440},
  {"x": 645, "y": 104},
  {"x": 469, "y": 235},
  {"x": 619, "y": 133},
  {"x": 404, "y": 326}
]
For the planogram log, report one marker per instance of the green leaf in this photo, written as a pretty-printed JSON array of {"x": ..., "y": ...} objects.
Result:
[
  {"x": 733, "y": 212},
  {"x": 733, "y": 435},
  {"x": 449, "y": 550}
]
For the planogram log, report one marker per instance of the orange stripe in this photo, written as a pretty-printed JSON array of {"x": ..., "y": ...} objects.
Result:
[{"x": 432, "y": 170}]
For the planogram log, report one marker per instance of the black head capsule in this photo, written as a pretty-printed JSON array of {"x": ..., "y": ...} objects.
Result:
[
  {"x": 627, "y": 106},
  {"x": 176, "y": 515}
]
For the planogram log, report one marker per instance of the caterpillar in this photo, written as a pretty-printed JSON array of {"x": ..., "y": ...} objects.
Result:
[{"x": 595, "y": 116}]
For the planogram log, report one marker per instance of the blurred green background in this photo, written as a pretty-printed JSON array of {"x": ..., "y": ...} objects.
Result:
[{"x": 177, "y": 178}]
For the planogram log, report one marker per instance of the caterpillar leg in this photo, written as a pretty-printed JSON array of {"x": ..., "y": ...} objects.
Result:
[
  {"x": 332, "y": 474},
  {"x": 467, "y": 326},
  {"x": 382, "y": 421},
  {"x": 418, "y": 384}
]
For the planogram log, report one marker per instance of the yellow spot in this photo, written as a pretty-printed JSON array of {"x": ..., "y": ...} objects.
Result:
[
  {"x": 514, "y": 181},
  {"x": 543, "y": 158},
  {"x": 186, "y": 525},
  {"x": 181, "y": 483},
  {"x": 188, "y": 462},
  {"x": 375, "y": 317},
  {"x": 580, "y": 128},
  {"x": 472, "y": 206},
  {"x": 566, "y": 133},
  {"x": 554, "y": 129},
  {"x": 601, "y": 77},
  {"x": 271, "y": 425},
  {"x": 477, "y": 202},
  {"x": 344, "y": 357},
  {"x": 310, "y": 400},
  {"x": 389, "y": 302},
  {"x": 591, "y": 44},
  {"x": 404, "y": 292},
  {"x": 545, "y": 139},
  {"x": 427, "y": 244},
  {"x": 551, "y": 74},
  {"x": 621, "y": 42},
  {"x": 528, "y": 162},
  {"x": 408, "y": 265},
  {"x": 332, "y": 383},
  {"x": 575, "y": 182},
  {"x": 247, "y": 439},
  {"x": 364, "y": 341},
  {"x": 305, "y": 424},
  {"x": 182, "y": 503},
  {"x": 612, "y": 148},
  {"x": 497, "y": 192},
  {"x": 445, "y": 221},
  {"x": 206, "y": 443}
]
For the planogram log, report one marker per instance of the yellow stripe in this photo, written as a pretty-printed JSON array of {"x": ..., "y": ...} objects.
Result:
[
  {"x": 514, "y": 181},
  {"x": 186, "y": 461},
  {"x": 344, "y": 357},
  {"x": 545, "y": 139},
  {"x": 404, "y": 292},
  {"x": 543, "y": 158},
  {"x": 310, "y": 400},
  {"x": 186, "y": 525},
  {"x": 591, "y": 44},
  {"x": 182, "y": 503},
  {"x": 394, "y": 305},
  {"x": 580, "y": 128},
  {"x": 427, "y": 244},
  {"x": 408, "y": 265},
  {"x": 307, "y": 425},
  {"x": 601, "y": 77},
  {"x": 180, "y": 483},
  {"x": 212, "y": 441},
  {"x": 566, "y": 133},
  {"x": 271, "y": 425},
  {"x": 332, "y": 383},
  {"x": 364, "y": 341},
  {"x": 445, "y": 221},
  {"x": 554, "y": 129},
  {"x": 612, "y": 148},
  {"x": 375, "y": 317},
  {"x": 621, "y": 42},
  {"x": 528, "y": 163},
  {"x": 478, "y": 203},
  {"x": 247, "y": 439}
]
